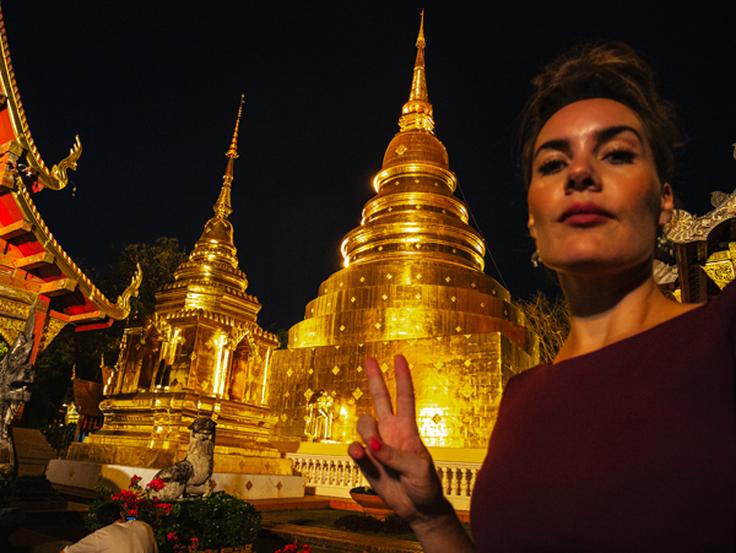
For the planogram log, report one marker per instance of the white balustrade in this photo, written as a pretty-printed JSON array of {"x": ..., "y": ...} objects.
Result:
[{"x": 334, "y": 475}]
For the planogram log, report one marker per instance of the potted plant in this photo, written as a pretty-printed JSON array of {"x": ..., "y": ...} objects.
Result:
[{"x": 370, "y": 501}]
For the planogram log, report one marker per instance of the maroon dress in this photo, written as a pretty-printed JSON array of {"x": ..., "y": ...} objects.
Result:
[{"x": 631, "y": 447}]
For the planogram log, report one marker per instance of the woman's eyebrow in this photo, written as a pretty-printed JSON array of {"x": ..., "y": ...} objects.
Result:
[{"x": 601, "y": 137}]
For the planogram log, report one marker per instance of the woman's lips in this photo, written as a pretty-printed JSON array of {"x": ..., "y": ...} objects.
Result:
[{"x": 584, "y": 218}]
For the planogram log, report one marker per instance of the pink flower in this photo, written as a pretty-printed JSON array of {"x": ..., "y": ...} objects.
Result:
[{"x": 171, "y": 536}]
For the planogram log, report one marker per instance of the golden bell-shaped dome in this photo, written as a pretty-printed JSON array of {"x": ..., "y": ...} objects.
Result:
[{"x": 415, "y": 146}]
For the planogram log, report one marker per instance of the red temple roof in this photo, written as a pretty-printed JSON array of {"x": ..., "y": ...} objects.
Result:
[{"x": 31, "y": 260}]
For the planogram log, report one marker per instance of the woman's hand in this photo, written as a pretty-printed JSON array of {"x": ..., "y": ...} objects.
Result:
[{"x": 396, "y": 463}]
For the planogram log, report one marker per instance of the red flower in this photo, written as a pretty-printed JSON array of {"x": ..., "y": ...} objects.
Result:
[
  {"x": 165, "y": 507},
  {"x": 156, "y": 484},
  {"x": 132, "y": 512},
  {"x": 171, "y": 536},
  {"x": 134, "y": 480},
  {"x": 294, "y": 548}
]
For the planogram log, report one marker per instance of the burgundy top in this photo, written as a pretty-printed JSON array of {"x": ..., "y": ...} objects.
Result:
[{"x": 631, "y": 447}]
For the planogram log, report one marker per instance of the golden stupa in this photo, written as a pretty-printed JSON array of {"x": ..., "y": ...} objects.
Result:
[
  {"x": 201, "y": 354},
  {"x": 412, "y": 283}
]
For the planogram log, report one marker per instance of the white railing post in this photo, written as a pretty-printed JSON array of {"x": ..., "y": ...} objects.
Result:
[{"x": 335, "y": 475}]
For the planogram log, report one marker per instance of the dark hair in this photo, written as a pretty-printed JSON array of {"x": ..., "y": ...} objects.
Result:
[
  {"x": 602, "y": 70},
  {"x": 109, "y": 512}
]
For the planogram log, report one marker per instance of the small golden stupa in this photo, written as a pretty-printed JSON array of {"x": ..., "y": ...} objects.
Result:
[
  {"x": 412, "y": 283},
  {"x": 201, "y": 354}
]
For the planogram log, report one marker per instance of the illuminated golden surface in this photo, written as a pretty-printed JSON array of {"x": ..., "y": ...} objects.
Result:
[
  {"x": 721, "y": 266},
  {"x": 412, "y": 282},
  {"x": 201, "y": 354}
]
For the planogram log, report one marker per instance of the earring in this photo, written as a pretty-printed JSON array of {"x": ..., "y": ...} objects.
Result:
[{"x": 536, "y": 260}]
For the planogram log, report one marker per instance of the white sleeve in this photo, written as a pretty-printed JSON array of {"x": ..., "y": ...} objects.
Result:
[
  {"x": 88, "y": 544},
  {"x": 153, "y": 538}
]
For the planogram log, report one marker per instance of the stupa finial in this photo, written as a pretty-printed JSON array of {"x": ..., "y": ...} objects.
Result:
[
  {"x": 232, "y": 151},
  {"x": 420, "y": 37},
  {"x": 222, "y": 206},
  {"x": 417, "y": 112}
]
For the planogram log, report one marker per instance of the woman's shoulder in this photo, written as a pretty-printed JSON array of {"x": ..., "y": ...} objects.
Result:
[
  {"x": 725, "y": 301},
  {"x": 718, "y": 311}
]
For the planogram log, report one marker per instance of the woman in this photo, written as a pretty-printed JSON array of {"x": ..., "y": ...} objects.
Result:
[{"x": 627, "y": 442}]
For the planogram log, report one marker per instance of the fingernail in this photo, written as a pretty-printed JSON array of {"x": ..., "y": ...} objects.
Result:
[
  {"x": 357, "y": 452},
  {"x": 374, "y": 444}
]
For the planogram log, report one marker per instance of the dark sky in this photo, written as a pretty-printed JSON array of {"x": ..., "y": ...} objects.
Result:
[{"x": 152, "y": 89}]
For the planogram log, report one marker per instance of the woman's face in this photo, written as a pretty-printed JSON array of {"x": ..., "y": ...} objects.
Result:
[{"x": 595, "y": 199}]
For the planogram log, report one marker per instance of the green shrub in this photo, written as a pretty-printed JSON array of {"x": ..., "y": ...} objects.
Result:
[{"x": 219, "y": 520}]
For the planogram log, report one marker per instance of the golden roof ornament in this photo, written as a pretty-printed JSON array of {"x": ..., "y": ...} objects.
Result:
[
  {"x": 214, "y": 257},
  {"x": 223, "y": 206},
  {"x": 417, "y": 111}
]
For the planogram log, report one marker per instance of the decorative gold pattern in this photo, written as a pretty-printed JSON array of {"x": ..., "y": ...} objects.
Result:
[
  {"x": 123, "y": 303},
  {"x": 683, "y": 227},
  {"x": 721, "y": 266},
  {"x": 59, "y": 170}
]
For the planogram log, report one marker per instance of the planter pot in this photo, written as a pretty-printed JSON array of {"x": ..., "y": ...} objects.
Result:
[{"x": 372, "y": 504}]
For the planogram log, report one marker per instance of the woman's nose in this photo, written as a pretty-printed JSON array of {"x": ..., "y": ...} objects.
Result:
[{"x": 582, "y": 175}]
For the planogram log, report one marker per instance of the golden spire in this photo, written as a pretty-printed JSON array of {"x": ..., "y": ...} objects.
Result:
[
  {"x": 222, "y": 206},
  {"x": 232, "y": 151},
  {"x": 417, "y": 112},
  {"x": 214, "y": 257}
]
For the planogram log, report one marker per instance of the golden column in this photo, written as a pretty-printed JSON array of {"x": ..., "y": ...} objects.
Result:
[
  {"x": 412, "y": 283},
  {"x": 202, "y": 353}
]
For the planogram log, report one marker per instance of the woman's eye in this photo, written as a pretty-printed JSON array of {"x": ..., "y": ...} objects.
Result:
[
  {"x": 620, "y": 156},
  {"x": 551, "y": 166}
]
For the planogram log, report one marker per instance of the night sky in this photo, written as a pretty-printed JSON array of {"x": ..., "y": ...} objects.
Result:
[{"x": 152, "y": 89}]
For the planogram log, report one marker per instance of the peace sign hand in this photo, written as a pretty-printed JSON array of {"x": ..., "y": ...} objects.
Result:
[{"x": 396, "y": 463}]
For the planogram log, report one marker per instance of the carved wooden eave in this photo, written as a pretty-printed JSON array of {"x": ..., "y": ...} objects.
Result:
[
  {"x": 31, "y": 260},
  {"x": 13, "y": 115},
  {"x": 704, "y": 247},
  {"x": 685, "y": 228}
]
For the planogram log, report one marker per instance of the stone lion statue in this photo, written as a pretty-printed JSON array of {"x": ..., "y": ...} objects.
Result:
[{"x": 191, "y": 476}]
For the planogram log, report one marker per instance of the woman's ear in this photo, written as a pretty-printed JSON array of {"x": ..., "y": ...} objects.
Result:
[
  {"x": 667, "y": 203},
  {"x": 530, "y": 224}
]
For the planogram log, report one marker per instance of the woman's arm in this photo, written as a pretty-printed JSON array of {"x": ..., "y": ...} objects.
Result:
[{"x": 399, "y": 467}]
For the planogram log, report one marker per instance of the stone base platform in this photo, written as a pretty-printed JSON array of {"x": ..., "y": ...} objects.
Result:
[
  {"x": 227, "y": 459},
  {"x": 80, "y": 478}
]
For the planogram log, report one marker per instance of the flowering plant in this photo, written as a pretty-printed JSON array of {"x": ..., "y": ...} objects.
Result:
[
  {"x": 295, "y": 548},
  {"x": 188, "y": 525},
  {"x": 142, "y": 504}
]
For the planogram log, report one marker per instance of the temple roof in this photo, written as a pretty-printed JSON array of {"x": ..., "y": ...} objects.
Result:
[{"x": 33, "y": 260}]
